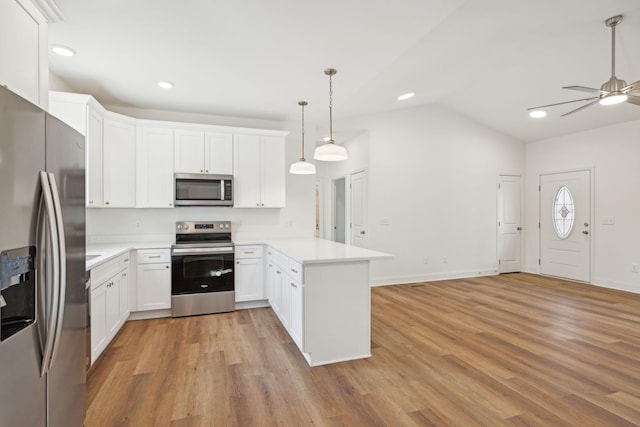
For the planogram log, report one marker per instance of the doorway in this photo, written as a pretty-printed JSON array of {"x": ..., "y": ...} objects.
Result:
[
  {"x": 358, "y": 209},
  {"x": 338, "y": 214},
  {"x": 565, "y": 224},
  {"x": 509, "y": 224}
]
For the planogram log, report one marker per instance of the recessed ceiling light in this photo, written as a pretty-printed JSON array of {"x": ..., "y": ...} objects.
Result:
[
  {"x": 63, "y": 50},
  {"x": 537, "y": 114},
  {"x": 406, "y": 96},
  {"x": 165, "y": 85}
]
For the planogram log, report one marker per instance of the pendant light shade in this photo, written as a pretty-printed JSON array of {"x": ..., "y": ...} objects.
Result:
[
  {"x": 302, "y": 167},
  {"x": 330, "y": 152}
]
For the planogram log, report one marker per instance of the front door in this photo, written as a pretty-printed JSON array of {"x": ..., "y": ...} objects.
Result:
[
  {"x": 509, "y": 224},
  {"x": 565, "y": 225}
]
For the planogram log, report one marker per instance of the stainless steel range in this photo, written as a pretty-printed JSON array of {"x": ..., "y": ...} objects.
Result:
[{"x": 202, "y": 268}]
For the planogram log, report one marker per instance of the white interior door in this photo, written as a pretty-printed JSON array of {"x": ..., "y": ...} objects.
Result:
[
  {"x": 339, "y": 216},
  {"x": 565, "y": 225},
  {"x": 509, "y": 224},
  {"x": 358, "y": 207}
]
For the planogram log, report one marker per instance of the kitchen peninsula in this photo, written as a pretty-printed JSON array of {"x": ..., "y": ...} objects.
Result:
[{"x": 319, "y": 289}]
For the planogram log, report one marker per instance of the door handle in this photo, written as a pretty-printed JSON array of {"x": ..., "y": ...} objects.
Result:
[
  {"x": 585, "y": 232},
  {"x": 519, "y": 228},
  {"x": 362, "y": 232}
]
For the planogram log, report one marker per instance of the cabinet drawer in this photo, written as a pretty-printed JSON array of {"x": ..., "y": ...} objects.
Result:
[
  {"x": 253, "y": 251},
  {"x": 152, "y": 256},
  {"x": 104, "y": 271},
  {"x": 295, "y": 270},
  {"x": 278, "y": 258}
]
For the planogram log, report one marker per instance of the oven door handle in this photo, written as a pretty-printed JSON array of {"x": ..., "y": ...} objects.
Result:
[
  {"x": 219, "y": 273},
  {"x": 202, "y": 251}
]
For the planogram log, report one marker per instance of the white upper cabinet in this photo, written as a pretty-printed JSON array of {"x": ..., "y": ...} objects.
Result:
[
  {"x": 86, "y": 115},
  {"x": 203, "y": 152},
  {"x": 218, "y": 153},
  {"x": 259, "y": 171},
  {"x": 119, "y": 162},
  {"x": 273, "y": 171},
  {"x": 154, "y": 159},
  {"x": 24, "y": 67},
  {"x": 189, "y": 151},
  {"x": 94, "y": 124}
]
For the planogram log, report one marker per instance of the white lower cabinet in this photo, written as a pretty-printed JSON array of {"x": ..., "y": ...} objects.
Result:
[
  {"x": 154, "y": 279},
  {"x": 109, "y": 302},
  {"x": 285, "y": 292},
  {"x": 249, "y": 273}
]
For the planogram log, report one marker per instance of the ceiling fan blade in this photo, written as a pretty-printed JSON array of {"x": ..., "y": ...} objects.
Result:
[
  {"x": 586, "y": 89},
  {"x": 635, "y": 100},
  {"x": 565, "y": 102},
  {"x": 633, "y": 87},
  {"x": 581, "y": 108}
]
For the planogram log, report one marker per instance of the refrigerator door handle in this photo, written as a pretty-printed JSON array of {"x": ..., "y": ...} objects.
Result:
[
  {"x": 48, "y": 271},
  {"x": 62, "y": 269}
]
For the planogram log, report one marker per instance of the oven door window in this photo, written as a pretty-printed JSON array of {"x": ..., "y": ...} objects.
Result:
[{"x": 201, "y": 273}]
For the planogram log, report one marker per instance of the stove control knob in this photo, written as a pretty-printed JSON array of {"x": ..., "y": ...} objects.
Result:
[
  {"x": 186, "y": 226},
  {"x": 179, "y": 226},
  {"x": 226, "y": 226}
]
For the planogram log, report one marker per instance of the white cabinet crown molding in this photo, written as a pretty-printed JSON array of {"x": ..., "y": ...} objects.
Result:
[{"x": 49, "y": 9}]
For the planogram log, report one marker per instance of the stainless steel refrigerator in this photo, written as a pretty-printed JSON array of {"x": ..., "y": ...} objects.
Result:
[{"x": 42, "y": 268}]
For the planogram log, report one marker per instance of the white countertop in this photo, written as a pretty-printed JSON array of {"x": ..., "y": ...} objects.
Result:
[
  {"x": 306, "y": 250},
  {"x": 313, "y": 250},
  {"x": 107, "y": 251}
]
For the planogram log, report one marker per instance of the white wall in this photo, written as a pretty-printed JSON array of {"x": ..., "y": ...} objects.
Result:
[
  {"x": 614, "y": 153},
  {"x": 432, "y": 192},
  {"x": 358, "y": 149}
]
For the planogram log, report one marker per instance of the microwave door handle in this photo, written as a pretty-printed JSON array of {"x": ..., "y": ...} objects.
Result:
[{"x": 222, "y": 189}]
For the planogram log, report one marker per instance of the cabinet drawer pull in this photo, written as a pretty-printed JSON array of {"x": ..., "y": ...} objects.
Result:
[
  {"x": 124, "y": 274},
  {"x": 278, "y": 271},
  {"x": 125, "y": 260},
  {"x": 154, "y": 256},
  {"x": 294, "y": 285},
  {"x": 249, "y": 252},
  {"x": 294, "y": 270}
]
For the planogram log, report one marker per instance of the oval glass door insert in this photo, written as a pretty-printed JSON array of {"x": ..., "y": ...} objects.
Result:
[{"x": 563, "y": 212}]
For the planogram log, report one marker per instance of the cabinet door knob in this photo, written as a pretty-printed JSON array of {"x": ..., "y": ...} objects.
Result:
[
  {"x": 237, "y": 262},
  {"x": 201, "y": 171},
  {"x": 166, "y": 266},
  {"x": 170, "y": 204},
  {"x": 106, "y": 203}
]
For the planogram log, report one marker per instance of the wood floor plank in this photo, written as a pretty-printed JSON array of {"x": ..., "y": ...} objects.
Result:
[{"x": 508, "y": 350}]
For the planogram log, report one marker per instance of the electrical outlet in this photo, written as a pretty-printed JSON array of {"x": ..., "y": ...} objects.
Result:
[
  {"x": 138, "y": 224},
  {"x": 444, "y": 259},
  {"x": 635, "y": 268},
  {"x": 425, "y": 260}
]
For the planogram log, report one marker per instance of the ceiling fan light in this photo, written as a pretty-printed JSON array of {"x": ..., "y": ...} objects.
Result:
[
  {"x": 330, "y": 152},
  {"x": 614, "y": 99},
  {"x": 537, "y": 114},
  {"x": 302, "y": 167}
]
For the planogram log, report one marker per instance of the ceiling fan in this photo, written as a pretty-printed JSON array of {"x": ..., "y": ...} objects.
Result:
[{"x": 613, "y": 91}]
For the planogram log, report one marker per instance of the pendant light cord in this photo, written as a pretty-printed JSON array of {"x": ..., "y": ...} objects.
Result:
[
  {"x": 303, "y": 131},
  {"x": 330, "y": 109}
]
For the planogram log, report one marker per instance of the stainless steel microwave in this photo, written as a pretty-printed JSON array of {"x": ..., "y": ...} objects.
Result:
[{"x": 199, "y": 189}]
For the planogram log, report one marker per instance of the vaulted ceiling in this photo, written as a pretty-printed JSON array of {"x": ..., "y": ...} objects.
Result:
[{"x": 488, "y": 60}]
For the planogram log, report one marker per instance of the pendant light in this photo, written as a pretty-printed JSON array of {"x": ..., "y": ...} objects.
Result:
[
  {"x": 302, "y": 167},
  {"x": 330, "y": 152}
]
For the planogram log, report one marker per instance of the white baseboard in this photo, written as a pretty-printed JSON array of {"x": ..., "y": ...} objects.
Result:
[
  {"x": 615, "y": 284},
  {"x": 252, "y": 304},
  {"x": 398, "y": 280},
  {"x": 150, "y": 314}
]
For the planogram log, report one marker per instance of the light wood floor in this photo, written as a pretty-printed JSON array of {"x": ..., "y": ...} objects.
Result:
[{"x": 516, "y": 350}]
